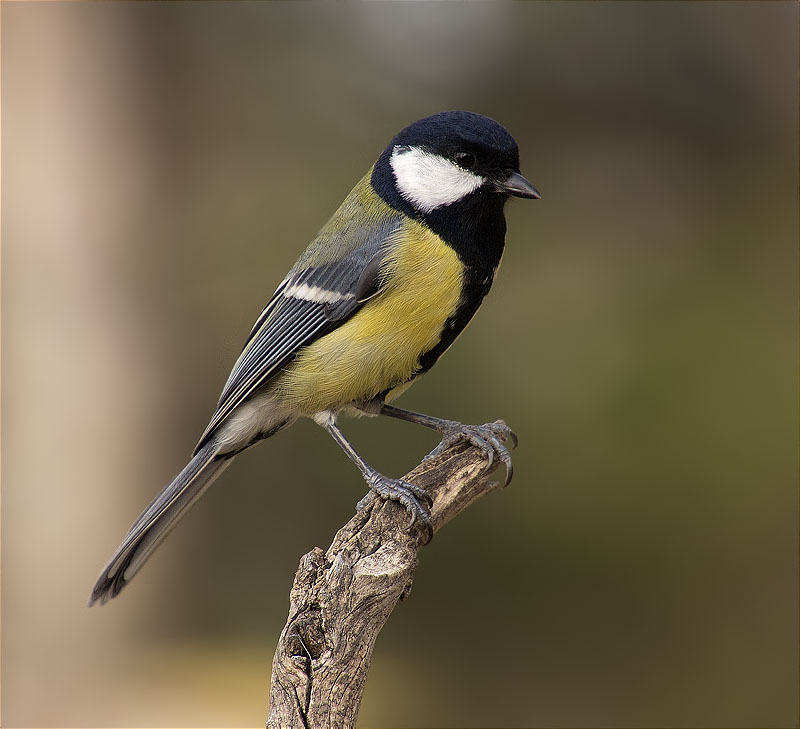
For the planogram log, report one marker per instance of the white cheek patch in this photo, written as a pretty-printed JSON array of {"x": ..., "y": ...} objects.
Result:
[{"x": 429, "y": 181}]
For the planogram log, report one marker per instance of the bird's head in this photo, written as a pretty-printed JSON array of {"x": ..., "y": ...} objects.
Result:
[{"x": 447, "y": 158}]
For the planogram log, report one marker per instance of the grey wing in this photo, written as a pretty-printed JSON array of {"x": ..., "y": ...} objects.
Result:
[{"x": 308, "y": 304}]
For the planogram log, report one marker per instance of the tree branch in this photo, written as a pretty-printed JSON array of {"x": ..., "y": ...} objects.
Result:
[{"x": 341, "y": 598}]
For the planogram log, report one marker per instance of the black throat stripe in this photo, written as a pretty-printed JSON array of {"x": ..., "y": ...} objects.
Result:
[{"x": 475, "y": 228}]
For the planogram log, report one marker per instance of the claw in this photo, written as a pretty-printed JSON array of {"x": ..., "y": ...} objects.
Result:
[
  {"x": 419, "y": 492},
  {"x": 505, "y": 457},
  {"x": 485, "y": 437},
  {"x": 489, "y": 453},
  {"x": 514, "y": 439},
  {"x": 408, "y": 495}
]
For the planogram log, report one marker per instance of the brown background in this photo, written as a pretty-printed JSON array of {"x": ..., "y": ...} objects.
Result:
[{"x": 164, "y": 164}]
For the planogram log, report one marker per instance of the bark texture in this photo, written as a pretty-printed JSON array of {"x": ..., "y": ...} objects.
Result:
[{"x": 342, "y": 597}]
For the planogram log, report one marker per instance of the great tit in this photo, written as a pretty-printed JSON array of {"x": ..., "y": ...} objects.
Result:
[{"x": 382, "y": 291}]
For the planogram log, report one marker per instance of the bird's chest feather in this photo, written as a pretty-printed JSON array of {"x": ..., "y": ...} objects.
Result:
[
  {"x": 381, "y": 346},
  {"x": 424, "y": 287}
]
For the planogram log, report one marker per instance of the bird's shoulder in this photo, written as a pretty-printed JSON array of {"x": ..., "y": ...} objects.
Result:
[{"x": 362, "y": 222}]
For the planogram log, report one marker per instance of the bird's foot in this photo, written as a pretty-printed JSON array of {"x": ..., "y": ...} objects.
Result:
[
  {"x": 411, "y": 496},
  {"x": 488, "y": 437}
]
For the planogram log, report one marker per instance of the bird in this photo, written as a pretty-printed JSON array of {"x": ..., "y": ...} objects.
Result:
[{"x": 381, "y": 292}]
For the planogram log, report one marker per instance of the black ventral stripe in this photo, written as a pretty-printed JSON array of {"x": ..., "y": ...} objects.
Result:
[{"x": 475, "y": 228}]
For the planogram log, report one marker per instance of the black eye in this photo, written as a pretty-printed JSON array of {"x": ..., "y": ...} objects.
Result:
[{"x": 465, "y": 160}]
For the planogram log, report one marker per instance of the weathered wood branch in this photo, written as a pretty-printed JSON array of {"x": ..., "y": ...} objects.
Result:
[{"x": 341, "y": 598}]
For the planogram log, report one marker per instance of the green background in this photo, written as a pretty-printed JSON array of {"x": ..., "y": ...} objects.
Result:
[{"x": 163, "y": 166}]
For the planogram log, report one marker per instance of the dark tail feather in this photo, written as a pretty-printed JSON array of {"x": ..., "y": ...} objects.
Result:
[{"x": 150, "y": 529}]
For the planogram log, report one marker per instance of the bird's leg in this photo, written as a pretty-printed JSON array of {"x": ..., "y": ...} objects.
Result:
[
  {"x": 487, "y": 437},
  {"x": 407, "y": 494}
]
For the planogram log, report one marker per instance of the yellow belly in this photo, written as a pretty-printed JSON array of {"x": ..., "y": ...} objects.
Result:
[{"x": 380, "y": 346}]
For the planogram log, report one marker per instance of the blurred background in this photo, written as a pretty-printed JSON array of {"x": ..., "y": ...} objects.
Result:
[{"x": 164, "y": 165}]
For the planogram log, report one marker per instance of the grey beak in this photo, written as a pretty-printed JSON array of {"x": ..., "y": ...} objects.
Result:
[{"x": 517, "y": 186}]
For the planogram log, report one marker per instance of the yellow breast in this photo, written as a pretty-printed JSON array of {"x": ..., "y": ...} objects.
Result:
[{"x": 380, "y": 346}]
